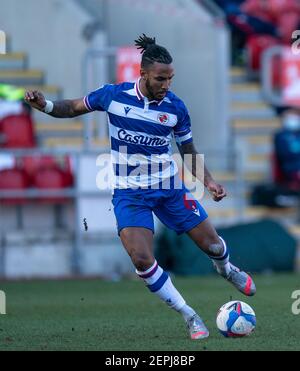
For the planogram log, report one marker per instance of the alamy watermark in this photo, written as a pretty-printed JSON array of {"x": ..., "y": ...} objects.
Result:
[
  {"x": 121, "y": 170},
  {"x": 2, "y": 302},
  {"x": 296, "y": 44},
  {"x": 2, "y": 42},
  {"x": 296, "y": 304}
]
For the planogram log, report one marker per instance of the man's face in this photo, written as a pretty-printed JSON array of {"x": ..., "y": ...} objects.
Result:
[{"x": 158, "y": 78}]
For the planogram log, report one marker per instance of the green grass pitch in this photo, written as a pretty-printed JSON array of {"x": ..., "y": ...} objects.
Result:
[{"x": 101, "y": 315}]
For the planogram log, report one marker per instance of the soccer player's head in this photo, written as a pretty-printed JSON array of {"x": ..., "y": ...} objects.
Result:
[{"x": 156, "y": 67}]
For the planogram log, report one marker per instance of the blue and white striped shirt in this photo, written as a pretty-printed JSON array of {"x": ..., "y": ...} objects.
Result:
[{"x": 141, "y": 133}]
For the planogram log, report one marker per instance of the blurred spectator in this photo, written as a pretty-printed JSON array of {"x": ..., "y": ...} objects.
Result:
[
  {"x": 287, "y": 149},
  {"x": 250, "y": 23},
  {"x": 284, "y": 189},
  {"x": 283, "y": 14},
  {"x": 244, "y": 25},
  {"x": 258, "y": 9},
  {"x": 276, "y": 18}
]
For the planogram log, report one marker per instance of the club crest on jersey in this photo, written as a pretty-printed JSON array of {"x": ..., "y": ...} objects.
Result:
[{"x": 163, "y": 118}]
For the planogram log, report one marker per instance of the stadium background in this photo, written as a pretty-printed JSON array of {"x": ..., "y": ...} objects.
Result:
[{"x": 68, "y": 48}]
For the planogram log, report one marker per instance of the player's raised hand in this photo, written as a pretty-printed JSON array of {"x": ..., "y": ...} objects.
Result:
[
  {"x": 35, "y": 99},
  {"x": 216, "y": 190}
]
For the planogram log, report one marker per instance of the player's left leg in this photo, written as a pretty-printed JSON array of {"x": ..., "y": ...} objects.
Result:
[
  {"x": 207, "y": 239},
  {"x": 182, "y": 213}
]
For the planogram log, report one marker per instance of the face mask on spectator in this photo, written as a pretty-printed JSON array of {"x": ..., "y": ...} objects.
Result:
[{"x": 291, "y": 122}]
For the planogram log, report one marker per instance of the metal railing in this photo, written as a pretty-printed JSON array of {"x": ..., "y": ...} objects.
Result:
[
  {"x": 73, "y": 193},
  {"x": 271, "y": 95},
  {"x": 90, "y": 56}
]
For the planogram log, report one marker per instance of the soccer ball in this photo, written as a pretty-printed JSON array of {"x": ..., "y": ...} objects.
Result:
[{"x": 236, "y": 319}]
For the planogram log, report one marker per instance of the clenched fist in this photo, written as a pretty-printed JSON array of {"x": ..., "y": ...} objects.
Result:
[{"x": 35, "y": 99}]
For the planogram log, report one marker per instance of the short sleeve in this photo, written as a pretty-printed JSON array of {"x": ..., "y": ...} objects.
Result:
[
  {"x": 100, "y": 99},
  {"x": 182, "y": 130}
]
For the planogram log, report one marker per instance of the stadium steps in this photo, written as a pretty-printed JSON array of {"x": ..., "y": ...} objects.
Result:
[
  {"x": 256, "y": 125},
  {"x": 253, "y": 123},
  {"x": 254, "y": 139},
  {"x": 261, "y": 147},
  {"x": 60, "y": 132},
  {"x": 253, "y": 126},
  {"x": 230, "y": 177},
  {"x": 259, "y": 157},
  {"x": 22, "y": 77},
  {"x": 258, "y": 140},
  {"x": 240, "y": 106},
  {"x": 237, "y": 75},
  {"x": 13, "y": 61},
  {"x": 60, "y": 126},
  {"x": 73, "y": 143},
  {"x": 246, "y": 92},
  {"x": 248, "y": 110}
]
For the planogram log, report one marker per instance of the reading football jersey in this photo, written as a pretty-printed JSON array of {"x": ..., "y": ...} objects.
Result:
[{"x": 141, "y": 132}]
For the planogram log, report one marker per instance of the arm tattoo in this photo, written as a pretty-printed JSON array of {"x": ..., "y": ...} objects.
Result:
[{"x": 63, "y": 109}]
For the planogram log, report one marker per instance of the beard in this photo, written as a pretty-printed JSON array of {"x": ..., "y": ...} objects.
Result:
[{"x": 150, "y": 90}]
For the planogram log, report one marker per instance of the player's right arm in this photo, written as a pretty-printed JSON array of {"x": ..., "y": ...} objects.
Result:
[{"x": 61, "y": 109}]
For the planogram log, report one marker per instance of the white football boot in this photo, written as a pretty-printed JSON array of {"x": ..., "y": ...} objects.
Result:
[{"x": 196, "y": 328}]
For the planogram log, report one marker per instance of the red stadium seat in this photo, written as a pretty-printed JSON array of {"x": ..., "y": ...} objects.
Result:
[
  {"x": 13, "y": 179},
  {"x": 31, "y": 164},
  {"x": 255, "y": 46},
  {"x": 52, "y": 179},
  {"x": 17, "y": 132}
]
